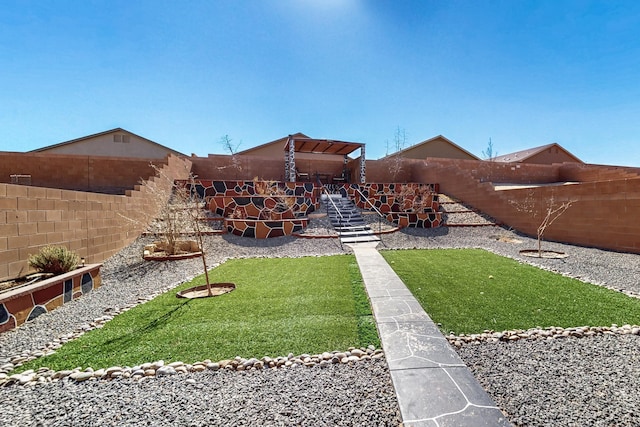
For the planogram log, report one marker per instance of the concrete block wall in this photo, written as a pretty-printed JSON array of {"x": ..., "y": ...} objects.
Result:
[
  {"x": 603, "y": 213},
  {"x": 221, "y": 167},
  {"x": 382, "y": 171},
  {"x": 112, "y": 175},
  {"x": 581, "y": 172},
  {"x": 92, "y": 224}
]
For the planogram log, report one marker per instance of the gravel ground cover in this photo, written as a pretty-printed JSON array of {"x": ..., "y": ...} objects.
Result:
[{"x": 562, "y": 382}]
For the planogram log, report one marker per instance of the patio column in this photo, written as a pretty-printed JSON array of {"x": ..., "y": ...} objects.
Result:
[
  {"x": 286, "y": 166},
  {"x": 363, "y": 166},
  {"x": 292, "y": 160}
]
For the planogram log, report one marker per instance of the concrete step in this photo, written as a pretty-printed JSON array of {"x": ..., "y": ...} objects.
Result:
[
  {"x": 355, "y": 233},
  {"x": 360, "y": 239},
  {"x": 353, "y": 227},
  {"x": 343, "y": 224}
]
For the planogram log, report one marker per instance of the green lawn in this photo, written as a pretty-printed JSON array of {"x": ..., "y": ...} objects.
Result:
[
  {"x": 298, "y": 305},
  {"x": 470, "y": 290}
]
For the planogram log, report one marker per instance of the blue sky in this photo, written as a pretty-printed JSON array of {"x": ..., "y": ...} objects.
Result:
[{"x": 185, "y": 73}]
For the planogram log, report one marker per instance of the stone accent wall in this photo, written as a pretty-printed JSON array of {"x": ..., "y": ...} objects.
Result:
[
  {"x": 415, "y": 220},
  {"x": 261, "y": 229},
  {"x": 207, "y": 188},
  {"x": 386, "y": 196},
  {"x": 259, "y": 207}
]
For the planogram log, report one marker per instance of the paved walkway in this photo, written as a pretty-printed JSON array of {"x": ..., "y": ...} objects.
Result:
[{"x": 434, "y": 387}]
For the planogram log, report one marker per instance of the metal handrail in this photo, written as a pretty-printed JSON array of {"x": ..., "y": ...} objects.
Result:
[
  {"x": 367, "y": 200},
  {"x": 324, "y": 190},
  {"x": 380, "y": 216}
]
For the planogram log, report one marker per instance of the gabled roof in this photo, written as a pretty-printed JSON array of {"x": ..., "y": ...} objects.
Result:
[
  {"x": 280, "y": 141},
  {"x": 73, "y": 141},
  {"x": 521, "y": 156},
  {"x": 429, "y": 141}
]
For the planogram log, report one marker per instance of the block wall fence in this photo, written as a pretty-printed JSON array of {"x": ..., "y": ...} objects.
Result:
[
  {"x": 98, "y": 174},
  {"x": 92, "y": 224},
  {"x": 53, "y": 211},
  {"x": 222, "y": 167},
  {"x": 606, "y": 200}
]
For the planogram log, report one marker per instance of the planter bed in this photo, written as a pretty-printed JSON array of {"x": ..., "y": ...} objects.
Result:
[{"x": 25, "y": 303}]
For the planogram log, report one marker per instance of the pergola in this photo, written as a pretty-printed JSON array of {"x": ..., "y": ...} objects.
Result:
[{"x": 319, "y": 146}]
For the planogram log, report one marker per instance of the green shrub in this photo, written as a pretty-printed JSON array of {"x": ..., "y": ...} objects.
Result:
[{"x": 54, "y": 259}]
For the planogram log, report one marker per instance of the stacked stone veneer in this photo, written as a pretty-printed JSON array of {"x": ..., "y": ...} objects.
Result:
[
  {"x": 385, "y": 197},
  {"x": 94, "y": 225},
  {"x": 251, "y": 209},
  {"x": 23, "y": 304}
]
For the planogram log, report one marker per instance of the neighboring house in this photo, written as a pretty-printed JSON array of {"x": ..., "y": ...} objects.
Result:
[
  {"x": 546, "y": 154},
  {"x": 113, "y": 143},
  {"x": 438, "y": 146},
  {"x": 273, "y": 149}
]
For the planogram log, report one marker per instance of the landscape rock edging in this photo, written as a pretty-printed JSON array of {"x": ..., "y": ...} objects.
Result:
[
  {"x": 160, "y": 368},
  {"x": 552, "y": 332}
]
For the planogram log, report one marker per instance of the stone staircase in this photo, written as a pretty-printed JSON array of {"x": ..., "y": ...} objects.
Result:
[{"x": 345, "y": 217}]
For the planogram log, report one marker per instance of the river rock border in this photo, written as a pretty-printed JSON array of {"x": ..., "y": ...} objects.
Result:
[
  {"x": 549, "y": 333},
  {"x": 160, "y": 368}
]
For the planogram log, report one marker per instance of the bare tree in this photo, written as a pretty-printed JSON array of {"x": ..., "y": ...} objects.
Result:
[
  {"x": 489, "y": 153},
  {"x": 551, "y": 213},
  {"x": 548, "y": 212},
  {"x": 179, "y": 209},
  {"x": 228, "y": 145},
  {"x": 192, "y": 205},
  {"x": 395, "y": 159},
  {"x": 232, "y": 149}
]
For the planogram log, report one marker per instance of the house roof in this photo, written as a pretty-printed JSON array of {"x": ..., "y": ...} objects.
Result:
[
  {"x": 322, "y": 146},
  {"x": 429, "y": 141},
  {"x": 73, "y": 141},
  {"x": 279, "y": 141},
  {"x": 521, "y": 156}
]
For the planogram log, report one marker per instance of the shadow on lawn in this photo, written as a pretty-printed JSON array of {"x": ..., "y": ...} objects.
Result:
[{"x": 149, "y": 327}]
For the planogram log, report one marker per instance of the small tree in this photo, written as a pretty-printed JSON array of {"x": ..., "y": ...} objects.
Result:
[
  {"x": 549, "y": 212},
  {"x": 191, "y": 203},
  {"x": 395, "y": 159},
  {"x": 232, "y": 149},
  {"x": 489, "y": 153},
  {"x": 179, "y": 207},
  {"x": 172, "y": 220}
]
